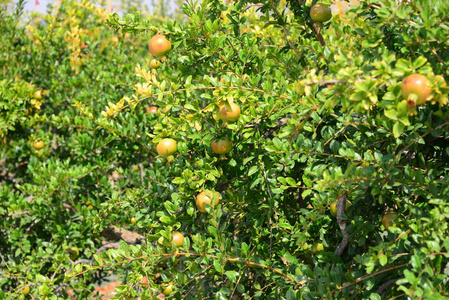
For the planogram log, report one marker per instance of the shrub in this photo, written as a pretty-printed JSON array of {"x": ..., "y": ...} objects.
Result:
[{"x": 322, "y": 120}]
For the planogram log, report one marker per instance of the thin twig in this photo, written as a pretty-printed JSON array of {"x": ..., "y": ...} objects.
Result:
[
  {"x": 247, "y": 263},
  {"x": 287, "y": 33},
  {"x": 360, "y": 279}
]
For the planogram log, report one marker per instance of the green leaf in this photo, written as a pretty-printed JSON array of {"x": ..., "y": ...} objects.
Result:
[
  {"x": 307, "y": 181},
  {"x": 40, "y": 278},
  {"x": 374, "y": 296},
  {"x": 212, "y": 230},
  {"x": 446, "y": 244},
  {"x": 253, "y": 170},
  {"x": 291, "y": 295},
  {"x": 277, "y": 190},
  {"x": 391, "y": 114},
  {"x": 370, "y": 43},
  {"x": 398, "y": 129},
  {"x": 244, "y": 248},
  {"x": 402, "y": 109},
  {"x": 277, "y": 143},
  {"x": 232, "y": 275},
  {"x": 217, "y": 265},
  {"x": 291, "y": 181},
  {"x": 419, "y": 62},
  {"x": 291, "y": 259},
  {"x": 405, "y": 121},
  {"x": 383, "y": 260},
  {"x": 403, "y": 64},
  {"x": 411, "y": 278},
  {"x": 306, "y": 193},
  {"x": 166, "y": 219}
]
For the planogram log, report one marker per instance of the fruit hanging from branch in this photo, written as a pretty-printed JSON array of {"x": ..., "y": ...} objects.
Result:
[
  {"x": 230, "y": 112},
  {"x": 151, "y": 109},
  {"x": 155, "y": 64},
  {"x": 39, "y": 94},
  {"x": 167, "y": 147},
  {"x": 316, "y": 248},
  {"x": 416, "y": 88},
  {"x": 159, "y": 46},
  {"x": 25, "y": 291},
  {"x": 168, "y": 289},
  {"x": 74, "y": 252},
  {"x": 388, "y": 219},
  {"x": 333, "y": 207},
  {"x": 320, "y": 13},
  {"x": 38, "y": 145},
  {"x": 221, "y": 146},
  {"x": 178, "y": 239},
  {"x": 205, "y": 198}
]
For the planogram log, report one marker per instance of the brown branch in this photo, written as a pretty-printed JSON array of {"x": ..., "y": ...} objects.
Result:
[
  {"x": 99, "y": 250},
  {"x": 386, "y": 285},
  {"x": 317, "y": 30},
  {"x": 82, "y": 261},
  {"x": 92, "y": 260},
  {"x": 437, "y": 56},
  {"x": 108, "y": 246},
  {"x": 341, "y": 206},
  {"x": 115, "y": 233},
  {"x": 279, "y": 124}
]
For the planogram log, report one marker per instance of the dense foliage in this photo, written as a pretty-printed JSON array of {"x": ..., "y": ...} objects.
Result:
[{"x": 331, "y": 183}]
